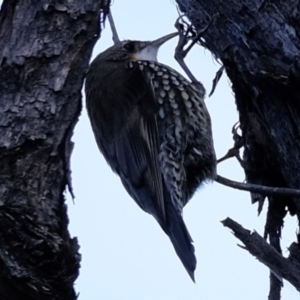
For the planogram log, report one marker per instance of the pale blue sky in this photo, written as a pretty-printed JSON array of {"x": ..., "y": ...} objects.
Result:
[{"x": 125, "y": 254}]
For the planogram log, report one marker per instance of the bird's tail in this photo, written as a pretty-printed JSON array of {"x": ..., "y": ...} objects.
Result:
[{"x": 182, "y": 243}]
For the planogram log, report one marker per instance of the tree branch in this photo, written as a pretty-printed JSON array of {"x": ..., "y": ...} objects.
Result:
[
  {"x": 259, "y": 189},
  {"x": 287, "y": 268}
]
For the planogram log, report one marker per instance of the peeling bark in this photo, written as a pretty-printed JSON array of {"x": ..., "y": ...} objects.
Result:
[{"x": 45, "y": 47}]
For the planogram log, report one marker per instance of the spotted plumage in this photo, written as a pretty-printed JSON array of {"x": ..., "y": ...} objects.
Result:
[
  {"x": 182, "y": 111},
  {"x": 153, "y": 128}
]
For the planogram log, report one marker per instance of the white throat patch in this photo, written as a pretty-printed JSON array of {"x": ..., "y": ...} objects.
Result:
[{"x": 148, "y": 53}]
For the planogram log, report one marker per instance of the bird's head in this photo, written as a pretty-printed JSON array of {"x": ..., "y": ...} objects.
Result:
[{"x": 135, "y": 50}]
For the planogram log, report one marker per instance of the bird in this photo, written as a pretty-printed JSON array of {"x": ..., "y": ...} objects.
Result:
[{"x": 154, "y": 130}]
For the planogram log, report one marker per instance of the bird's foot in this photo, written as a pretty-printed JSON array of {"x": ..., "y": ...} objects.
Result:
[{"x": 187, "y": 33}]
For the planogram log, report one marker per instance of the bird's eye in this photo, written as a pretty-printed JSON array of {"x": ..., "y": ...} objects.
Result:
[{"x": 129, "y": 47}]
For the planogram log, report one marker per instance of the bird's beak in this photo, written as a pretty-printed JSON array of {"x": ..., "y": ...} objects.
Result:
[
  {"x": 149, "y": 52},
  {"x": 157, "y": 43}
]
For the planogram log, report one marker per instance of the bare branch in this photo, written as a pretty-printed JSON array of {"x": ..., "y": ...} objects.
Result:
[
  {"x": 275, "y": 287},
  {"x": 113, "y": 28},
  {"x": 259, "y": 189},
  {"x": 257, "y": 246},
  {"x": 235, "y": 150}
]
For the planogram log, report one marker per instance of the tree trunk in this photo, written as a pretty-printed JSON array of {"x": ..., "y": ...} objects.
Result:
[
  {"x": 258, "y": 43},
  {"x": 45, "y": 47}
]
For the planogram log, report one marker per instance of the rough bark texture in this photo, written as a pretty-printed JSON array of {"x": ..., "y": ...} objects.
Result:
[
  {"x": 258, "y": 41},
  {"x": 45, "y": 46}
]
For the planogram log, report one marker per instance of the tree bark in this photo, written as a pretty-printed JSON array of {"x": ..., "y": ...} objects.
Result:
[
  {"x": 45, "y": 47},
  {"x": 258, "y": 43}
]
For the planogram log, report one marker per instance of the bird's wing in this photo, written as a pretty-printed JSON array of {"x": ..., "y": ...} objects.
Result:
[
  {"x": 125, "y": 125},
  {"x": 123, "y": 110}
]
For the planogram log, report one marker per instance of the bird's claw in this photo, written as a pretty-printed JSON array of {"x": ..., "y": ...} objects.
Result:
[{"x": 187, "y": 33}]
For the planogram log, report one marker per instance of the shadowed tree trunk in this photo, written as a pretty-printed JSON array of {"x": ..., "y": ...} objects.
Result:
[
  {"x": 258, "y": 43},
  {"x": 45, "y": 47}
]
